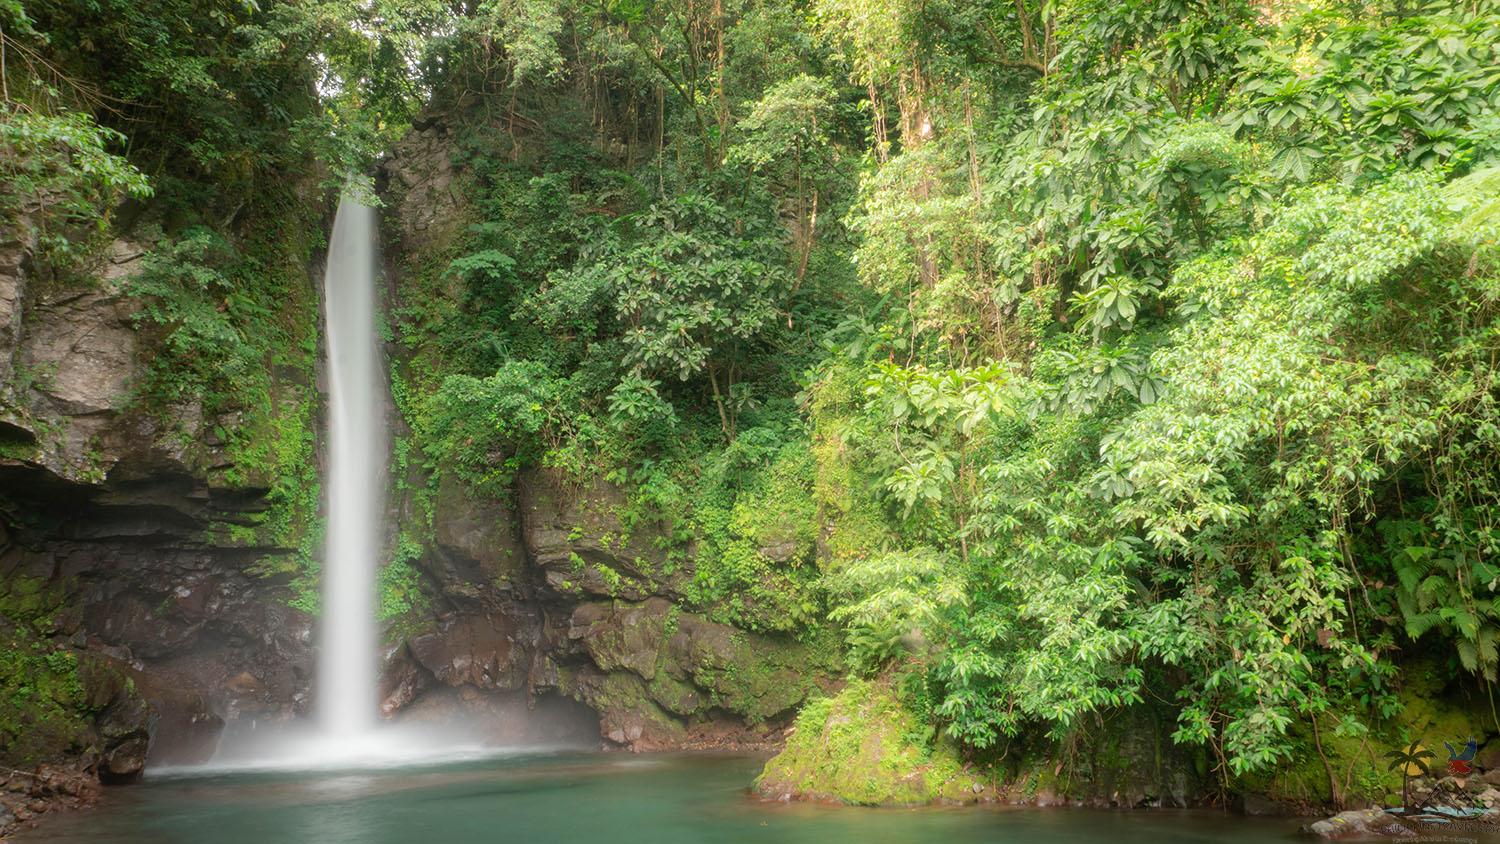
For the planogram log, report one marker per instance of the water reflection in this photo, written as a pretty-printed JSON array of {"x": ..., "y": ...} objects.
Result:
[
  {"x": 339, "y": 817},
  {"x": 583, "y": 799}
]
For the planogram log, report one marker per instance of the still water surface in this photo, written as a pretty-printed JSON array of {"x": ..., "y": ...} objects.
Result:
[{"x": 581, "y": 799}]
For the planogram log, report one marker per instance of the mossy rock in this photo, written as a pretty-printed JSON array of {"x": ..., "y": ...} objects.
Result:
[
  {"x": 1433, "y": 712},
  {"x": 44, "y": 707},
  {"x": 692, "y": 664},
  {"x": 865, "y": 747},
  {"x": 627, "y": 714}
]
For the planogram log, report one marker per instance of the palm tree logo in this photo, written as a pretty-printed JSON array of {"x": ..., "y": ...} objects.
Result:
[{"x": 1411, "y": 761}]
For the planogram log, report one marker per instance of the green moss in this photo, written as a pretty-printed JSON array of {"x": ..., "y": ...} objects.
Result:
[
  {"x": 44, "y": 709},
  {"x": 15, "y": 446},
  {"x": 865, "y": 747},
  {"x": 674, "y": 695},
  {"x": 759, "y": 677},
  {"x": 757, "y": 528}
]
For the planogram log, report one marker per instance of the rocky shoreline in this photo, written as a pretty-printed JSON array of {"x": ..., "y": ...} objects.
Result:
[{"x": 1439, "y": 808}]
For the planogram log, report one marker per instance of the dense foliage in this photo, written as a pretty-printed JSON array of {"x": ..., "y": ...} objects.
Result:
[
  {"x": 1138, "y": 347},
  {"x": 1059, "y": 354}
]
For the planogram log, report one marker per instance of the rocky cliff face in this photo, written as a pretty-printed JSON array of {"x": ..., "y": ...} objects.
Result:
[
  {"x": 132, "y": 624},
  {"x": 549, "y": 593},
  {"x": 551, "y": 602},
  {"x": 144, "y": 604}
]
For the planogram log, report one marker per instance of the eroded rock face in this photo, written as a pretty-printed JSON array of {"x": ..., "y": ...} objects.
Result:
[
  {"x": 420, "y": 176},
  {"x": 575, "y": 535},
  {"x": 16, "y": 247},
  {"x": 663, "y": 677},
  {"x": 204, "y": 638},
  {"x": 113, "y": 513},
  {"x": 477, "y": 650},
  {"x": 690, "y": 664},
  {"x": 402, "y": 679},
  {"x": 81, "y": 347},
  {"x": 557, "y": 597},
  {"x": 478, "y": 552}
]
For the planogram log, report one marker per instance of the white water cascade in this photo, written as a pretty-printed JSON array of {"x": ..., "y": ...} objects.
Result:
[
  {"x": 346, "y": 677},
  {"x": 345, "y": 732}
]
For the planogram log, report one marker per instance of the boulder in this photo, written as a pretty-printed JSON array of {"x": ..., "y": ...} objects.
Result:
[
  {"x": 689, "y": 663},
  {"x": 1488, "y": 758},
  {"x": 477, "y": 650},
  {"x": 757, "y": 677},
  {"x": 623, "y": 637},
  {"x": 627, "y": 715},
  {"x": 1359, "y": 824},
  {"x": 402, "y": 680}
]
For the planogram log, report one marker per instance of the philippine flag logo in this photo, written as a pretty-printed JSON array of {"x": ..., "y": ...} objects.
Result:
[{"x": 1462, "y": 764}]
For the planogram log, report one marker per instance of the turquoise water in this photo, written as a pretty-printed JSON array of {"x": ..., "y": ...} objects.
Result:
[{"x": 593, "y": 798}]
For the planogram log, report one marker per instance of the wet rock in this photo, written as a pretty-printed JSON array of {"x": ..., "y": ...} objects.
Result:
[
  {"x": 623, "y": 637},
  {"x": 184, "y": 730},
  {"x": 244, "y": 683},
  {"x": 125, "y": 762},
  {"x": 478, "y": 650},
  {"x": 506, "y": 718},
  {"x": 1360, "y": 824},
  {"x": 627, "y": 715},
  {"x": 676, "y": 696},
  {"x": 402, "y": 679}
]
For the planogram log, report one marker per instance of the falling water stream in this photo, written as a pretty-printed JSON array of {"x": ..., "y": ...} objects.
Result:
[
  {"x": 346, "y": 685},
  {"x": 346, "y": 732}
]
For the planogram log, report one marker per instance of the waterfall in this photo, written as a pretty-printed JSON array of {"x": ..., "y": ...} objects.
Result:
[
  {"x": 346, "y": 678},
  {"x": 345, "y": 731}
]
